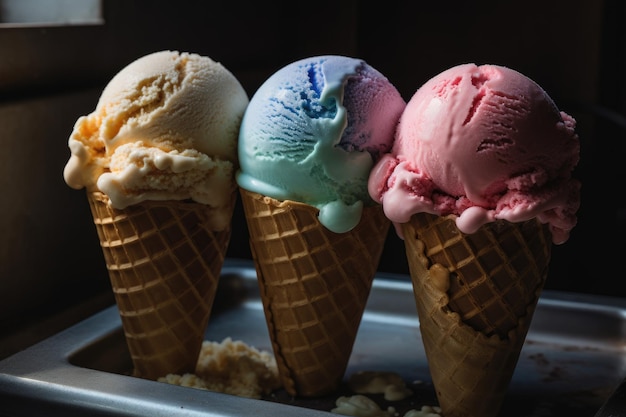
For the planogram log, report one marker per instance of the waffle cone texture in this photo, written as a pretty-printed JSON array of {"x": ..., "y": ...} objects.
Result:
[
  {"x": 314, "y": 285},
  {"x": 475, "y": 295},
  {"x": 164, "y": 263}
]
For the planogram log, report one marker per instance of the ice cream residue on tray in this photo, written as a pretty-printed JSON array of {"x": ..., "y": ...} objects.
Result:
[
  {"x": 232, "y": 367},
  {"x": 377, "y": 382}
]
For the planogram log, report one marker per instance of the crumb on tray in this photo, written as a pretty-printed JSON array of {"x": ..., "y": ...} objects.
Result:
[
  {"x": 231, "y": 367},
  {"x": 375, "y": 382}
]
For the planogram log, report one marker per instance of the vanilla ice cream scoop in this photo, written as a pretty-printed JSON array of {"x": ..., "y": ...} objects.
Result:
[
  {"x": 164, "y": 128},
  {"x": 482, "y": 143}
]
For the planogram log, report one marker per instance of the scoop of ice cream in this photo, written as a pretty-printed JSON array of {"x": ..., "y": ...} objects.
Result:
[
  {"x": 164, "y": 128},
  {"x": 482, "y": 143},
  {"x": 312, "y": 133}
]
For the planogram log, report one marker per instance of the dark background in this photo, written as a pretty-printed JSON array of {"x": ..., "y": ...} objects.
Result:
[{"x": 51, "y": 268}]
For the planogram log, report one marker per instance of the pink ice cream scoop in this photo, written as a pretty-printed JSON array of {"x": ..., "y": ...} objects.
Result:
[{"x": 482, "y": 143}]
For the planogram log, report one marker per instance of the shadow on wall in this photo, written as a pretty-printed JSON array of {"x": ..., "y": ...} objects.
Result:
[{"x": 50, "y": 257}]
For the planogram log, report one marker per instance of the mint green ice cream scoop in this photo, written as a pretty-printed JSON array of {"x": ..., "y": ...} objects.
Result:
[{"x": 312, "y": 133}]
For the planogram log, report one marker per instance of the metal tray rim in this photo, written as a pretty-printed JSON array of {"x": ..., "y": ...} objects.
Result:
[{"x": 42, "y": 375}]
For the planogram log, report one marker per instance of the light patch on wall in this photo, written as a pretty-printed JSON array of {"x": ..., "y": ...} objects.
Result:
[{"x": 20, "y": 13}]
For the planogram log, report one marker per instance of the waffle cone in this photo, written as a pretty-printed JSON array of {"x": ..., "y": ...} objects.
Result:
[
  {"x": 475, "y": 297},
  {"x": 314, "y": 285},
  {"x": 164, "y": 262}
]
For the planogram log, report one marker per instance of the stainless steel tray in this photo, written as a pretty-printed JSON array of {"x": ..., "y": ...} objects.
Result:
[{"x": 574, "y": 357}]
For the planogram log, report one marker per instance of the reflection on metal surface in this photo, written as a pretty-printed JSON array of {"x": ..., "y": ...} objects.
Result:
[{"x": 20, "y": 13}]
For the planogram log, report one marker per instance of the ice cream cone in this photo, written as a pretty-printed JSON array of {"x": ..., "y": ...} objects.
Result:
[
  {"x": 314, "y": 285},
  {"x": 475, "y": 294},
  {"x": 164, "y": 262}
]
